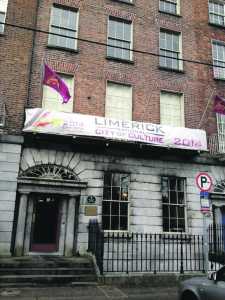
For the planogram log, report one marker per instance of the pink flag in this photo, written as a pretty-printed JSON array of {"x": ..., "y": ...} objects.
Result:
[
  {"x": 51, "y": 79},
  {"x": 219, "y": 105}
]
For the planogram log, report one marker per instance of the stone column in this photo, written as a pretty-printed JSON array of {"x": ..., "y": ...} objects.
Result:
[
  {"x": 69, "y": 239},
  {"x": 21, "y": 223}
]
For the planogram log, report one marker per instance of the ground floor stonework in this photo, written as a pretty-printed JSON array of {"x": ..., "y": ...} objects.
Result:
[{"x": 56, "y": 190}]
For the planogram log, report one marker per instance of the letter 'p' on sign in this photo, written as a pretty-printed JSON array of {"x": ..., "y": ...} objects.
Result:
[{"x": 204, "y": 181}]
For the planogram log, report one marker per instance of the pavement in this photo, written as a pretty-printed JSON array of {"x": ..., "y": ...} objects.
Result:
[{"x": 98, "y": 292}]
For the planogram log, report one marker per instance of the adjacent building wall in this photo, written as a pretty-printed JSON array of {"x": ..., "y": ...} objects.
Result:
[{"x": 10, "y": 150}]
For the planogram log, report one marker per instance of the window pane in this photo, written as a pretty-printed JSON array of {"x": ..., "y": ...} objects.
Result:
[
  {"x": 180, "y": 185},
  {"x": 124, "y": 194},
  {"x": 107, "y": 193},
  {"x": 127, "y": 32},
  {"x": 124, "y": 209},
  {"x": 106, "y": 208},
  {"x": 105, "y": 222},
  {"x": 119, "y": 30},
  {"x": 115, "y": 193},
  {"x": 166, "y": 211},
  {"x": 125, "y": 53},
  {"x": 123, "y": 223},
  {"x": 173, "y": 197},
  {"x": 173, "y": 211},
  {"x": 118, "y": 52},
  {"x": 165, "y": 197},
  {"x": 115, "y": 179},
  {"x": 181, "y": 225},
  {"x": 174, "y": 225},
  {"x": 164, "y": 184},
  {"x": 107, "y": 178},
  {"x": 115, "y": 223},
  {"x": 181, "y": 212},
  {"x": 181, "y": 197},
  {"x": 166, "y": 226},
  {"x": 112, "y": 28},
  {"x": 115, "y": 208},
  {"x": 173, "y": 184}
]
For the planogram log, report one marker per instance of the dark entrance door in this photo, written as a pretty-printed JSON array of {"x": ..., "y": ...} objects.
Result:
[{"x": 45, "y": 224}]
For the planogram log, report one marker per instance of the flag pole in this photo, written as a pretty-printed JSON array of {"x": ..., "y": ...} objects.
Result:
[
  {"x": 42, "y": 77},
  {"x": 206, "y": 108}
]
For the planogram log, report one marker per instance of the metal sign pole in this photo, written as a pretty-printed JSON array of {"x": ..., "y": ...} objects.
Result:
[
  {"x": 205, "y": 209},
  {"x": 205, "y": 243},
  {"x": 204, "y": 183}
]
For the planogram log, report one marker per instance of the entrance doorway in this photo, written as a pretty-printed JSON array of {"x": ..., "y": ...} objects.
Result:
[
  {"x": 45, "y": 224},
  {"x": 223, "y": 215}
]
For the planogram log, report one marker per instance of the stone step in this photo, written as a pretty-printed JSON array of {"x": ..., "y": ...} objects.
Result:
[
  {"x": 44, "y": 271},
  {"x": 32, "y": 280},
  {"x": 43, "y": 285},
  {"x": 45, "y": 264}
]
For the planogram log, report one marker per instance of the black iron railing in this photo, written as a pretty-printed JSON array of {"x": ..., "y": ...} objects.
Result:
[
  {"x": 217, "y": 243},
  {"x": 150, "y": 252},
  {"x": 96, "y": 243},
  {"x": 137, "y": 252}
]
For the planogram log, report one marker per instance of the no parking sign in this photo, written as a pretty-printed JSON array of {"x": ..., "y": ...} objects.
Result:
[{"x": 204, "y": 181}]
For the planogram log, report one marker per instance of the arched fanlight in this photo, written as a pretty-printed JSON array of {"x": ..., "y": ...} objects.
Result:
[{"x": 50, "y": 171}]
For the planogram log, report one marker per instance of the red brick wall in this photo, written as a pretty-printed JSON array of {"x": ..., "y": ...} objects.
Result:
[
  {"x": 15, "y": 51},
  {"x": 91, "y": 69}
]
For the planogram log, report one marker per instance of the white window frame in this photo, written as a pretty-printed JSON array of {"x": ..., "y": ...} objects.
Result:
[
  {"x": 168, "y": 204},
  {"x": 130, "y": 42},
  {"x": 50, "y": 43},
  {"x": 71, "y": 100},
  {"x": 176, "y": 2},
  {"x": 211, "y": 13},
  {"x": 125, "y": 1},
  {"x": 182, "y": 115},
  {"x": 179, "y": 54},
  {"x": 2, "y": 114},
  {"x": 107, "y": 105},
  {"x": 217, "y": 63},
  {"x": 117, "y": 201},
  {"x": 3, "y": 11}
]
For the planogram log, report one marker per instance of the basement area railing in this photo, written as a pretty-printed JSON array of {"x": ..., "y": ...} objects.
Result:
[{"x": 146, "y": 252}]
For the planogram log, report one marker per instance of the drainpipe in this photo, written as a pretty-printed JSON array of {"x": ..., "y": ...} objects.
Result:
[{"x": 27, "y": 104}]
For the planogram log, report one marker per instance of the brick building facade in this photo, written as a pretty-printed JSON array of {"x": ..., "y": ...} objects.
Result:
[
  {"x": 68, "y": 175},
  {"x": 16, "y": 52}
]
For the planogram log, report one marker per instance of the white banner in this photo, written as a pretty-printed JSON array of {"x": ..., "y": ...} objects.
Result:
[{"x": 53, "y": 122}]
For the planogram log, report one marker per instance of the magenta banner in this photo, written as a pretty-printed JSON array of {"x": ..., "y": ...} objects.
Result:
[{"x": 71, "y": 124}]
